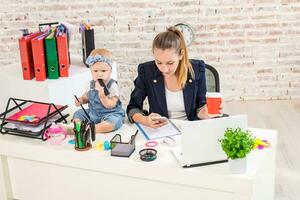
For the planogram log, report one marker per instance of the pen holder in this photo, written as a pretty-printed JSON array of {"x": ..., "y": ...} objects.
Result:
[
  {"x": 84, "y": 131},
  {"x": 86, "y": 147},
  {"x": 122, "y": 149}
]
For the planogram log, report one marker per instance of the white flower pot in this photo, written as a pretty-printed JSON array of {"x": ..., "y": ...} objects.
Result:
[{"x": 238, "y": 166}]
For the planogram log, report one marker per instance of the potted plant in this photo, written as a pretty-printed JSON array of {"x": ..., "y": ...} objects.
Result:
[{"x": 237, "y": 144}]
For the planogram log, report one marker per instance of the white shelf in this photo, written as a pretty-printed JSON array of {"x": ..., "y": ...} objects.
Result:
[{"x": 58, "y": 91}]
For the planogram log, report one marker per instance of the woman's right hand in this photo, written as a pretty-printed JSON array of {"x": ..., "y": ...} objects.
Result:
[{"x": 153, "y": 121}]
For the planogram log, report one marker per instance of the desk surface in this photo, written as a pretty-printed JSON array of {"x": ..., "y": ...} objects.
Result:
[{"x": 164, "y": 169}]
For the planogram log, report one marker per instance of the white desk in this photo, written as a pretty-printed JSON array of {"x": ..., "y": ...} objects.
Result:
[{"x": 33, "y": 170}]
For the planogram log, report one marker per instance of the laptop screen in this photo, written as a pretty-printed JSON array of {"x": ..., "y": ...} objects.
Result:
[{"x": 200, "y": 139}]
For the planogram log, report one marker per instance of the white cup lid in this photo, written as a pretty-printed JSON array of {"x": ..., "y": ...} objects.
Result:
[{"x": 213, "y": 94}]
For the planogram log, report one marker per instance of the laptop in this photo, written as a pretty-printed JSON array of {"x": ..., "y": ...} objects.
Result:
[{"x": 200, "y": 140}]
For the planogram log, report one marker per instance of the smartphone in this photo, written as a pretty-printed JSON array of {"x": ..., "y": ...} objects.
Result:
[
  {"x": 102, "y": 84},
  {"x": 159, "y": 118}
]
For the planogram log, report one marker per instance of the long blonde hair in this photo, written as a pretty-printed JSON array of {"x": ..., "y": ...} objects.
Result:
[{"x": 172, "y": 38}]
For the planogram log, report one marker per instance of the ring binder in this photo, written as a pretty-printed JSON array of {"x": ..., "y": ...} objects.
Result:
[
  {"x": 26, "y": 55},
  {"x": 88, "y": 43}
]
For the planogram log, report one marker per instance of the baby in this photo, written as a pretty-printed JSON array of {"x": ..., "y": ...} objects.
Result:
[{"x": 105, "y": 110}]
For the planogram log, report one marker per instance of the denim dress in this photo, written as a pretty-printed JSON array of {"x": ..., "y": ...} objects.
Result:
[{"x": 98, "y": 112}]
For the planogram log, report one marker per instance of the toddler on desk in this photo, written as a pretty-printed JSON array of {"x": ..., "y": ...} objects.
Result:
[{"x": 104, "y": 106}]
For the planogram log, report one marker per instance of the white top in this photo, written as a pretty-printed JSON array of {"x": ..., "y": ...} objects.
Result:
[
  {"x": 175, "y": 104},
  {"x": 114, "y": 90}
]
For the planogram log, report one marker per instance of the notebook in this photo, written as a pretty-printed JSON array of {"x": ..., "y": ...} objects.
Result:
[
  {"x": 155, "y": 133},
  {"x": 200, "y": 140}
]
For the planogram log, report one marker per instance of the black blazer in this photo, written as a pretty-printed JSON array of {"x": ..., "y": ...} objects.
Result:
[{"x": 150, "y": 83}]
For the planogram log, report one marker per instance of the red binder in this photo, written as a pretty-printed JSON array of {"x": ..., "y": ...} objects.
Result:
[
  {"x": 38, "y": 53},
  {"x": 63, "y": 55},
  {"x": 26, "y": 55}
]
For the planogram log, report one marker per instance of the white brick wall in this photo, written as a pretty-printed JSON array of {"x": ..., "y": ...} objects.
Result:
[{"x": 254, "y": 44}]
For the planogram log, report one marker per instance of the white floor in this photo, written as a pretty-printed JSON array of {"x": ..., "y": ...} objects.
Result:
[{"x": 284, "y": 116}]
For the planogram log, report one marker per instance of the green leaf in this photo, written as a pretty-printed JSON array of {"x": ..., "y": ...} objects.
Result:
[{"x": 237, "y": 143}]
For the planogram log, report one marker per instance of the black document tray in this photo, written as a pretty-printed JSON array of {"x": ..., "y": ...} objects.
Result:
[{"x": 36, "y": 130}]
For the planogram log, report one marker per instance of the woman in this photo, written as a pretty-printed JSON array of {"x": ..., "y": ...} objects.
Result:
[{"x": 175, "y": 86}]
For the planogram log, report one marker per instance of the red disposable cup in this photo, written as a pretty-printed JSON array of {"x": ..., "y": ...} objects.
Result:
[{"x": 213, "y": 102}]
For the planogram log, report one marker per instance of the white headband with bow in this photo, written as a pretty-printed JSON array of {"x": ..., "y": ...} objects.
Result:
[{"x": 98, "y": 58}]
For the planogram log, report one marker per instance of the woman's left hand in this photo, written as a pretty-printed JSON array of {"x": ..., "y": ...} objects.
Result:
[{"x": 203, "y": 113}]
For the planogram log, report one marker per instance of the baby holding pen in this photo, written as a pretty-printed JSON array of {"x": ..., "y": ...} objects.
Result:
[{"x": 102, "y": 96}]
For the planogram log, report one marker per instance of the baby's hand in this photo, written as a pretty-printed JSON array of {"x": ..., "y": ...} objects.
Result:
[
  {"x": 101, "y": 92},
  {"x": 97, "y": 86},
  {"x": 77, "y": 103}
]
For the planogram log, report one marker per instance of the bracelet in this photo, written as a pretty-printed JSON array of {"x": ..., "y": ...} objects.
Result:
[
  {"x": 148, "y": 155},
  {"x": 151, "y": 143}
]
